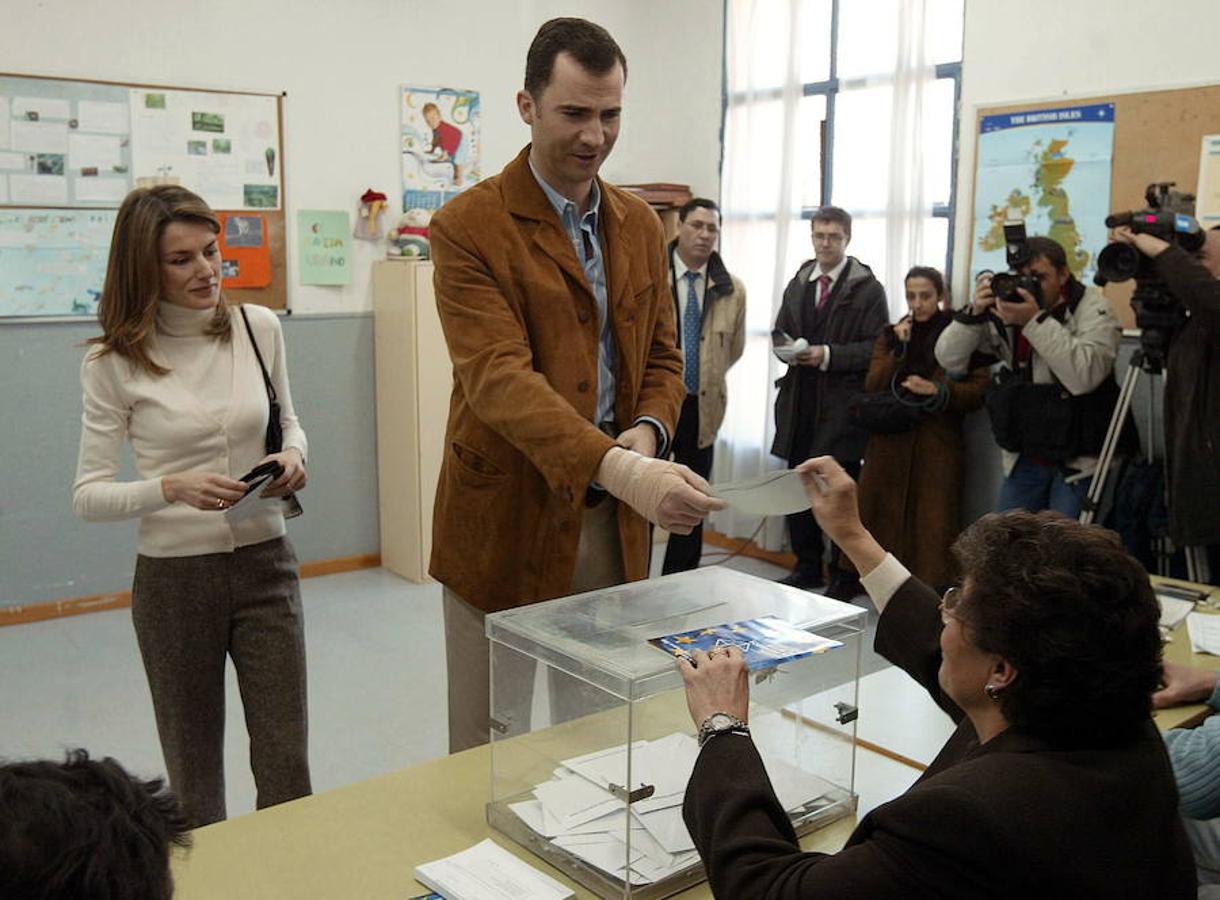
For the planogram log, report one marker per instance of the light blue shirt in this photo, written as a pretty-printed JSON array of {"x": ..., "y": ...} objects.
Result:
[
  {"x": 588, "y": 246},
  {"x": 582, "y": 230}
]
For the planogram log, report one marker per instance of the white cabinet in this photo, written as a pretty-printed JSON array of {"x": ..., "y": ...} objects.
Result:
[{"x": 414, "y": 379}]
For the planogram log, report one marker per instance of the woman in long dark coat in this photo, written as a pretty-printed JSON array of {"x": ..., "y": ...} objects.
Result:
[{"x": 911, "y": 482}]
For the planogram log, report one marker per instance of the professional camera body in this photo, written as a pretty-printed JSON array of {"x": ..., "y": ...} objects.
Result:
[
  {"x": 1157, "y": 312},
  {"x": 1016, "y": 252}
]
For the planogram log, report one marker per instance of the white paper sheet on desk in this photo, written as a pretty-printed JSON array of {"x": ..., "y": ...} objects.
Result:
[
  {"x": 1173, "y": 610},
  {"x": 1204, "y": 631},
  {"x": 773, "y": 494}
]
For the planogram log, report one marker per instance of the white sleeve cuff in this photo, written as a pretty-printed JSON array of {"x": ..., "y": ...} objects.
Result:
[
  {"x": 885, "y": 580},
  {"x": 825, "y": 366}
]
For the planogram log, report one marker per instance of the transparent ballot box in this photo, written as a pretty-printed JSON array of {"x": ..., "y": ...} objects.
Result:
[{"x": 591, "y": 741}]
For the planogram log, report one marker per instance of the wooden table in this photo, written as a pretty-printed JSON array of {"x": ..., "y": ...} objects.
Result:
[
  {"x": 364, "y": 840},
  {"x": 1177, "y": 650}
]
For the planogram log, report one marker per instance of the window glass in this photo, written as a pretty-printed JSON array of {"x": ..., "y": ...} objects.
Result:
[
  {"x": 937, "y": 137},
  {"x": 861, "y": 148},
  {"x": 868, "y": 37},
  {"x": 813, "y": 50},
  {"x": 943, "y": 31},
  {"x": 807, "y": 177},
  {"x": 751, "y": 149},
  {"x": 752, "y": 60}
]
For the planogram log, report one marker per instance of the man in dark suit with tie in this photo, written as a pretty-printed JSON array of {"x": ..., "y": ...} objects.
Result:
[{"x": 839, "y": 308}]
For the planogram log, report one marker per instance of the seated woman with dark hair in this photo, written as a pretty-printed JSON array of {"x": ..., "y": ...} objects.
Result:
[{"x": 1055, "y": 783}]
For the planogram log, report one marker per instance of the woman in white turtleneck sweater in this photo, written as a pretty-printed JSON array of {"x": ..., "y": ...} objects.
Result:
[{"x": 175, "y": 373}]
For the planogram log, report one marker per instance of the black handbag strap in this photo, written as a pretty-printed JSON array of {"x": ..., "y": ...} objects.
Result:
[{"x": 271, "y": 395}]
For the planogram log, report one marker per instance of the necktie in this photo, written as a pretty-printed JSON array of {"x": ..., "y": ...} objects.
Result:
[
  {"x": 823, "y": 291},
  {"x": 692, "y": 322}
]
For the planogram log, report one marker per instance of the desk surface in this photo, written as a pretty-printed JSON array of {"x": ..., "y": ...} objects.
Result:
[
  {"x": 364, "y": 840},
  {"x": 1177, "y": 650}
]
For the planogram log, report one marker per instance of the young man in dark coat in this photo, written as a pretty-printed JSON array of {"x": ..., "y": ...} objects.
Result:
[{"x": 839, "y": 308}]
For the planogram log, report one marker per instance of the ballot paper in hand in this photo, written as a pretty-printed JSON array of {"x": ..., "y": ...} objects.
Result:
[
  {"x": 786, "y": 348},
  {"x": 773, "y": 494}
]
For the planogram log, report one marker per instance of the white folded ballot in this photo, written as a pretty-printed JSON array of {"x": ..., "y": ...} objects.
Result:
[
  {"x": 786, "y": 348},
  {"x": 772, "y": 494},
  {"x": 487, "y": 871}
]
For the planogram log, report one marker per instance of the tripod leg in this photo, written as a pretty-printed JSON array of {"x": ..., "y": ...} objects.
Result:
[{"x": 1109, "y": 445}]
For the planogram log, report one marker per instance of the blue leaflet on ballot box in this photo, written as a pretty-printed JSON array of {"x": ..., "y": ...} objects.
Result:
[{"x": 765, "y": 642}]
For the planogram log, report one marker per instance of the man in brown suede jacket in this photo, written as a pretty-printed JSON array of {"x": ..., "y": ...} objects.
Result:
[{"x": 553, "y": 295}]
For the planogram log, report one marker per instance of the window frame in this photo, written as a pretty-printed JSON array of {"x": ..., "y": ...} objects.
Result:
[{"x": 830, "y": 89}]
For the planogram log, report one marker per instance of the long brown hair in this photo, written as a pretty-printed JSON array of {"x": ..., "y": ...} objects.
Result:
[{"x": 127, "y": 310}]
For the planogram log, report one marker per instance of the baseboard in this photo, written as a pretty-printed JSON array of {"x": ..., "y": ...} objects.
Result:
[
  {"x": 744, "y": 547},
  {"x": 78, "y": 606}
]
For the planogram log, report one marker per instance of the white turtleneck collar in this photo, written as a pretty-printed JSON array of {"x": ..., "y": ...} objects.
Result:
[{"x": 178, "y": 321}]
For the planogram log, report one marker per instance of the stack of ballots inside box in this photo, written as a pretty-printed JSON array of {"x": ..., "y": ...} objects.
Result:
[{"x": 581, "y": 809}]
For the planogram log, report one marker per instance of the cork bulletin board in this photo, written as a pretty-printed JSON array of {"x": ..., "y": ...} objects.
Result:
[
  {"x": 1157, "y": 137},
  {"x": 71, "y": 150}
]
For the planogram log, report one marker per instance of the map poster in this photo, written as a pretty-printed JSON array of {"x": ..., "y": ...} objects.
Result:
[{"x": 1050, "y": 167}]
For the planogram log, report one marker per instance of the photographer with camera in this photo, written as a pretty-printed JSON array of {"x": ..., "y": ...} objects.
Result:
[
  {"x": 1192, "y": 388},
  {"x": 1055, "y": 390}
]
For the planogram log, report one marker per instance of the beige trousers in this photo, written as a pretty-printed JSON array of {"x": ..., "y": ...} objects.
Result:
[{"x": 599, "y": 564}]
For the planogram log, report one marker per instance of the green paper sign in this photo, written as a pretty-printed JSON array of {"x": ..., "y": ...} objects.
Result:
[{"x": 323, "y": 236}]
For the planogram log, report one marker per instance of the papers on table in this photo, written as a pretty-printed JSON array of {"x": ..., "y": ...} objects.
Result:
[
  {"x": 581, "y": 809},
  {"x": 772, "y": 494},
  {"x": 1204, "y": 633},
  {"x": 487, "y": 871},
  {"x": 1173, "y": 609}
]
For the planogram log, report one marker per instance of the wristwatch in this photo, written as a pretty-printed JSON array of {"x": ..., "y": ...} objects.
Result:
[{"x": 721, "y": 723}]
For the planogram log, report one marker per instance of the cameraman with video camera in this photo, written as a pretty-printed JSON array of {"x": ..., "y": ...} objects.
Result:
[
  {"x": 1056, "y": 341},
  {"x": 1192, "y": 389}
]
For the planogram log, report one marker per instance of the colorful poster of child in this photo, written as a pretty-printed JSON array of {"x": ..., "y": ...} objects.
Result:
[{"x": 440, "y": 154}]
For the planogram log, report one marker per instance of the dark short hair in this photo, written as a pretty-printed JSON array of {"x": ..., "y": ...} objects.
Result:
[
  {"x": 1073, "y": 613},
  {"x": 589, "y": 43},
  {"x": 833, "y": 214},
  {"x": 933, "y": 275},
  {"x": 697, "y": 203},
  {"x": 1049, "y": 249},
  {"x": 85, "y": 830}
]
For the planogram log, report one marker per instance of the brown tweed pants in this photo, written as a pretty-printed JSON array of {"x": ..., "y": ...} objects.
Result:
[{"x": 190, "y": 612}]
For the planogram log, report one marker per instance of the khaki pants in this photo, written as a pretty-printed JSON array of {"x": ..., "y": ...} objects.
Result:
[{"x": 599, "y": 564}]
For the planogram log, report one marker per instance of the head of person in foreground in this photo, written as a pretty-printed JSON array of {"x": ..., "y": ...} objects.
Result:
[{"x": 85, "y": 829}]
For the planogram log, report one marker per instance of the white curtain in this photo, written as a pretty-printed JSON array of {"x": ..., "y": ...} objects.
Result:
[
  {"x": 770, "y": 154},
  {"x": 907, "y": 206},
  {"x": 760, "y": 209}
]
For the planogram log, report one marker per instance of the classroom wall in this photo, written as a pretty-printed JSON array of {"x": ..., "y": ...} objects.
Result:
[
  {"x": 341, "y": 65},
  {"x": 1045, "y": 49}
]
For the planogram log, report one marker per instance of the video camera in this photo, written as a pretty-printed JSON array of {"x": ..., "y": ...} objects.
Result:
[
  {"x": 1167, "y": 217},
  {"x": 1016, "y": 253}
]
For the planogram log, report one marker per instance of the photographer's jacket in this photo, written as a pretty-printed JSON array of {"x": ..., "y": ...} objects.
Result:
[
  {"x": 1192, "y": 402},
  {"x": 1076, "y": 343}
]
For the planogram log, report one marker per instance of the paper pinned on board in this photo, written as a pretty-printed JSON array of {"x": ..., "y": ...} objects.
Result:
[{"x": 772, "y": 494}]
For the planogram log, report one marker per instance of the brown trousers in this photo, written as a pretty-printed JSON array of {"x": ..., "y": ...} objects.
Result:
[
  {"x": 190, "y": 612},
  {"x": 599, "y": 564}
]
